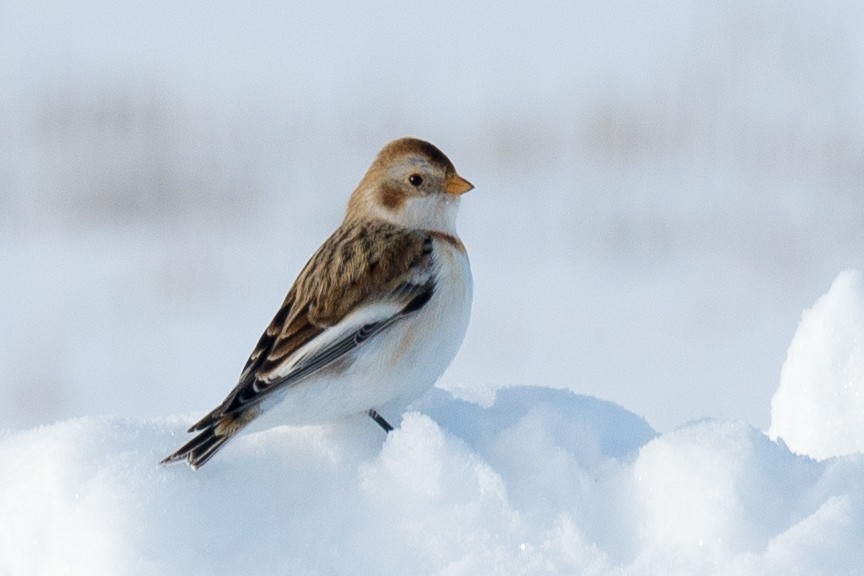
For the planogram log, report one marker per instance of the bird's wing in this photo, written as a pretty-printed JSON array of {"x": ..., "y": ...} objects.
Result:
[{"x": 364, "y": 278}]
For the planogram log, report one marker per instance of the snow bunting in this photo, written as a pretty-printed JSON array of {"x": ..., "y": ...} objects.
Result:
[{"x": 374, "y": 317}]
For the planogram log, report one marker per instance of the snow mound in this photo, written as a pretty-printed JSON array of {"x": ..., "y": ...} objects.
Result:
[
  {"x": 818, "y": 409},
  {"x": 541, "y": 482}
]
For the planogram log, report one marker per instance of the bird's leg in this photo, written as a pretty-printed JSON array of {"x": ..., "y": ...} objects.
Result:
[{"x": 380, "y": 420}]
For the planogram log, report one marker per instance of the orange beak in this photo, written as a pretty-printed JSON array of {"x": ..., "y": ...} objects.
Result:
[{"x": 457, "y": 185}]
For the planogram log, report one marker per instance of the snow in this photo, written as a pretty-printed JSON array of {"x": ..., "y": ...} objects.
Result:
[
  {"x": 660, "y": 193},
  {"x": 818, "y": 408},
  {"x": 541, "y": 482}
]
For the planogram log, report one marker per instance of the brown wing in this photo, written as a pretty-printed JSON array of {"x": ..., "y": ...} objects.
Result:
[{"x": 359, "y": 264}]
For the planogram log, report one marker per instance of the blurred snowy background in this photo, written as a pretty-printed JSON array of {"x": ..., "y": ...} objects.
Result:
[{"x": 661, "y": 188}]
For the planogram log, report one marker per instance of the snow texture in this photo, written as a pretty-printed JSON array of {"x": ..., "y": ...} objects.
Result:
[
  {"x": 541, "y": 482},
  {"x": 818, "y": 409}
]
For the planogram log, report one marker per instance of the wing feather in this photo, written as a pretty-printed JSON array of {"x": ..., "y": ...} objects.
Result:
[{"x": 363, "y": 279}]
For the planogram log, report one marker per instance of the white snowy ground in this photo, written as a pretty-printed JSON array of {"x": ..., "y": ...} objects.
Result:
[
  {"x": 660, "y": 191},
  {"x": 540, "y": 482}
]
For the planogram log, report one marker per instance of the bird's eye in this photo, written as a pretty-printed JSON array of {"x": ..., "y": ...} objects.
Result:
[{"x": 415, "y": 180}]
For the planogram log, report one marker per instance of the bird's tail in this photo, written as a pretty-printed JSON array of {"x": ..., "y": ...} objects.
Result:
[{"x": 210, "y": 439}]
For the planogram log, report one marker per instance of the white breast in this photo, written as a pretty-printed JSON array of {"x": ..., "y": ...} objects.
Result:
[
  {"x": 434, "y": 336},
  {"x": 419, "y": 348}
]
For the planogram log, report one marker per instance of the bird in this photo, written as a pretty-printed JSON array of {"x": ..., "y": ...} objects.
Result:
[{"x": 374, "y": 317}]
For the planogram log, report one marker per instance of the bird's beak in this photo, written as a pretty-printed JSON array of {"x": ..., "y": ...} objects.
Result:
[{"x": 457, "y": 185}]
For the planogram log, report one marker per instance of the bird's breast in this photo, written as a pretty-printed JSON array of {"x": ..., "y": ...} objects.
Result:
[{"x": 433, "y": 336}]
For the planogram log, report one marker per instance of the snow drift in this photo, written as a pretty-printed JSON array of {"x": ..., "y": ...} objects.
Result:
[
  {"x": 540, "y": 482},
  {"x": 818, "y": 409}
]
